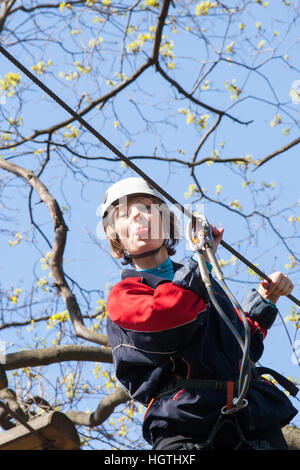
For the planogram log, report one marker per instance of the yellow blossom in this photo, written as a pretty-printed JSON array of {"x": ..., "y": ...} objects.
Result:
[
  {"x": 59, "y": 317},
  {"x": 151, "y": 3},
  {"x": 95, "y": 42},
  {"x": 69, "y": 76},
  {"x": 233, "y": 88},
  {"x": 202, "y": 121},
  {"x": 293, "y": 262},
  {"x": 41, "y": 67},
  {"x": 14, "y": 298},
  {"x": 98, "y": 20},
  {"x": 123, "y": 431},
  {"x": 236, "y": 204},
  {"x": 190, "y": 117},
  {"x": 9, "y": 83},
  {"x": 18, "y": 237},
  {"x": 223, "y": 263},
  {"x": 171, "y": 65},
  {"x": 191, "y": 190},
  {"x": 73, "y": 134},
  {"x": 276, "y": 120},
  {"x": 15, "y": 122},
  {"x": 229, "y": 48},
  {"x": 64, "y": 5},
  {"x": 81, "y": 69},
  {"x": 294, "y": 317},
  {"x": 218, "y": 189},
  {"x": 203, "y": 8},
  {"x": 233, "y": 260},
  {"x": 251, "y": 270},
  {"x": 133, "y": 47},
  {"x": 166, "y": 49}
]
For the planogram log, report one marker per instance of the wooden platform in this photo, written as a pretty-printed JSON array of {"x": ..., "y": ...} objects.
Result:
[{"x": 55, "y": 428}]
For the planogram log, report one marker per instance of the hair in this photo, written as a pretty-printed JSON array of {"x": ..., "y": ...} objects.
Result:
[{"x": 171, "y": 231}]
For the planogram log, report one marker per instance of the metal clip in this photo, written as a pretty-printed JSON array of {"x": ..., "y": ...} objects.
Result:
[
  {"x": 235, "y": 408},
  {"x": 200, "y": 237}
]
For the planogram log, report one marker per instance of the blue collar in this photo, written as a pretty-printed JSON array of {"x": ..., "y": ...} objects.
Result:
[{"x": 165, "y": 270}]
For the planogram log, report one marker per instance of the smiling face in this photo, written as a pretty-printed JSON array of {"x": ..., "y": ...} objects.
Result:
[{"x": 138, "y": 225}]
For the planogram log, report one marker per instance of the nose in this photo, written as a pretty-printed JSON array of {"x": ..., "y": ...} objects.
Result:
[{"x": 135, "y": 212}]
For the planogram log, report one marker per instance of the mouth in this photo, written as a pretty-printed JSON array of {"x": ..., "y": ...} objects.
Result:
[{"x": 141, "y": 231}]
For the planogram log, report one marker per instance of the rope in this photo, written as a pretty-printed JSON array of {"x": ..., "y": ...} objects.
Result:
[
  {"x": 245, "y": 370},
  {"x": 128, "y": 162}
]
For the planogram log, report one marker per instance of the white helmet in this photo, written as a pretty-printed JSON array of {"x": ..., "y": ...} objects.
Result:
[{"x": 124, "y": 188}]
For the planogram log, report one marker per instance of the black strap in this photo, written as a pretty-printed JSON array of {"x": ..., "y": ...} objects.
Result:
[
  {"x": 283, "y": 381},
  {"x": 211, "y": 384},
  {"x": 204, "y": 383},
  {"x": 222, "y": 384}
]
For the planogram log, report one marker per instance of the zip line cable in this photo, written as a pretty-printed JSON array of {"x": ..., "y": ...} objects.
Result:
[{"x": 122, "y": 157}]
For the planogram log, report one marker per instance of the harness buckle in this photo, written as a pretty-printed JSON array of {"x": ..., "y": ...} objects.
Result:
[{"x": 228, "y": 411}]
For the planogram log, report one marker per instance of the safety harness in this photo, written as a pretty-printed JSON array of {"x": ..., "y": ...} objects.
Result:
[{"x": 202, "y": 241}]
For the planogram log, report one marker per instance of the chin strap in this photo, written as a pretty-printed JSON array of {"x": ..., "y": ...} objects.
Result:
[{"x": 143, "y": 255}]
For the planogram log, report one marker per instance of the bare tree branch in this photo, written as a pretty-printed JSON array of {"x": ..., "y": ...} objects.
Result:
[
  {"x": 103, "y": 411},
  {"x": 188, "y": 95},
  {"x": 57, "y": 354},
  {"x": 277, "y": 152},
  {"x": 56, "y": 260}
]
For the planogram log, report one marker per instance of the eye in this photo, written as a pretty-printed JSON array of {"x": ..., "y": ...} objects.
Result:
[
  {"x": 148, "y": 207},
  {"x": 121, "y": 212}
]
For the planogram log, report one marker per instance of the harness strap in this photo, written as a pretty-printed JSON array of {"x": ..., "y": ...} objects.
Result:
[
  {"x": 230, "y": 392},
  {"x": 200, "y": 383},
  {"x": 283, "y": 381},
  {"x": 230, "y": 386}
]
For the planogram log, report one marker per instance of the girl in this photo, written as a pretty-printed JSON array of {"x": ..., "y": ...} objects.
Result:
[{"x": 171, "y": 350}]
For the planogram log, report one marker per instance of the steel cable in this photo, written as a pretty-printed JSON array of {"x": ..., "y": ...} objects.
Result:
[{"x": 128, "y": 162}]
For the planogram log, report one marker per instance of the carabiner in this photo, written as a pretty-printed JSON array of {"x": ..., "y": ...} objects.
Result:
[
  {"x": 235, "y": 408},
  {"x": 200, "y": 236}
]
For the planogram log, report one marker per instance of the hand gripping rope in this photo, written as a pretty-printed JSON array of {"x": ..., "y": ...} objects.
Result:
[{"x": 201, "y": 240}]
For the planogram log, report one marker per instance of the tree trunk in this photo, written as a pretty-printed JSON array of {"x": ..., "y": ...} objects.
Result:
[{"x": 292, "y": 437}]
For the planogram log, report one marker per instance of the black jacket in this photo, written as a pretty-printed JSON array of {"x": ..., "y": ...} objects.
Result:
[{"x": 161, "y": 330}]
